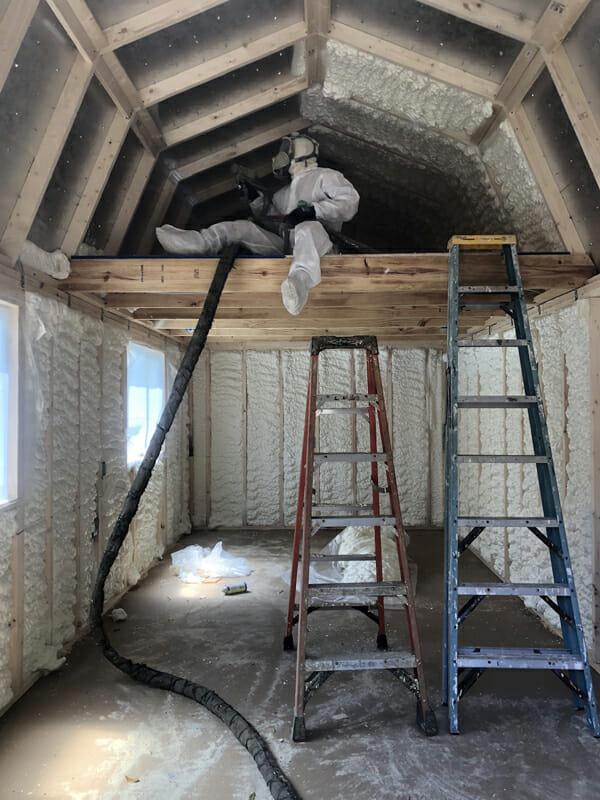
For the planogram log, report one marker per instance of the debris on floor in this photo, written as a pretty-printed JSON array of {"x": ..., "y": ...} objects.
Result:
[{"x": 194, "y": 563}]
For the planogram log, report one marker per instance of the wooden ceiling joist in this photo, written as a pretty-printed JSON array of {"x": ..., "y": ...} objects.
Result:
[
  {"x": 488, "y": 15},
  {"x": 13, "y": 27}
]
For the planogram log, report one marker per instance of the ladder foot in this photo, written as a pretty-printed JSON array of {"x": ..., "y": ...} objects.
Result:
[
  {"x": 382, "y": 642},
  {"x": 427, "y": 722},
  {"x": 288, "y": 642},
  {"x": 298, "y": 730}
]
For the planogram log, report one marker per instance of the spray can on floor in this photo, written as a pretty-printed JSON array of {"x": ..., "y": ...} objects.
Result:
[{"x": 238, "y": 588}]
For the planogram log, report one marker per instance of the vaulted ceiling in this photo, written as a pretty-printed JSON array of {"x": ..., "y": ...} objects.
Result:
[{"x": 449, "y": 116}]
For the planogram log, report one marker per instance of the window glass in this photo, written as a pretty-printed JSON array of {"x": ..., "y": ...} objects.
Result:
[
  {"x": 8, "y": 402},
  {"x": 145, "y": 398}
]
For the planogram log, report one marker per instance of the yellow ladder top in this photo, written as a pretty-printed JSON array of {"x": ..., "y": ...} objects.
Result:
[{"x": 482, "y": 242}]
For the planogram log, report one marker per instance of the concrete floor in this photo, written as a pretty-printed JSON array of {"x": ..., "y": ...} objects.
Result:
[{"x": 88, "y": 732}]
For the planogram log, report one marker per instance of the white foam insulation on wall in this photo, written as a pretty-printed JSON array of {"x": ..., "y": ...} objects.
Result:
[
  {"x": 73, "y": 416},
  {"x": 562, "y": 344},
  {"x": 249, "y": 408}
]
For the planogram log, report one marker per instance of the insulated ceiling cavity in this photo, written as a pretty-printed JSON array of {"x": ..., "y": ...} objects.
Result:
[
  {"x": 145, "y": 208},
  {"x": 167, "y": 62},
  {"x": 73, "y": 168},
  {"x": 583, "y": 48},
  {"x": 29, "y": 96},
  {"x": 114, "y": 193},
  {"x": 431, "y": 33}
]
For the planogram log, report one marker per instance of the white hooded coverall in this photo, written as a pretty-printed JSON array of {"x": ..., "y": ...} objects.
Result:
[{"x": 333, "y": 197}]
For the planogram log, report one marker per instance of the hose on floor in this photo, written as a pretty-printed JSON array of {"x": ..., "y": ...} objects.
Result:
[{"x": 278, "y": 784}]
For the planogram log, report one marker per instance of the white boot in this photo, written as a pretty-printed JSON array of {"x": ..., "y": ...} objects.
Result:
[
  {"x": 176, "y": 240},
  {"x": 294, "y": 290}
]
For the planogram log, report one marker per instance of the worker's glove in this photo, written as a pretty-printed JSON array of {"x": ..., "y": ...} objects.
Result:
[
  {"x": 248, "y": 190},
  {"x": 300, "y": 214}
]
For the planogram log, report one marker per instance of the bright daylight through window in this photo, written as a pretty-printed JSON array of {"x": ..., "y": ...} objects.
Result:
[
  {"x": 9, "y": 384},
  {"x": 145, "y": 397}
]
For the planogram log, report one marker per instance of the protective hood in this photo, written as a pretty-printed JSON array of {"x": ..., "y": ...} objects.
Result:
[{"x": 296, "y": 151}]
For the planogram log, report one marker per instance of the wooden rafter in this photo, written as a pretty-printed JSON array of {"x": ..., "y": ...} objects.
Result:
[
  {"x": 158, "y": 214},
  {"x": 48, "y": 153},
  {"x": 412, "y": 60},
  {"x": 576, "y": 105},
  {"x": 545, "y": 180},
  {"x": 85, "y": 33},
  {"x": 318, "y": 16},
  {"x": 155, "y": 19},
  {"x": 95, "y": 184},
  {"x": 257, "y": 138},
  {"x": 13, "y": 26},
  {"x": 488, "y": 15},
  {"x": 214, "y": 119},
  {"x": 130, "y": 201},
  {"x": 215, "y": 67}
]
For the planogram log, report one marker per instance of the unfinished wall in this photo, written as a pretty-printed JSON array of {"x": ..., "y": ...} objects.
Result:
[
  {"x": 562, "y": 343},
  {"x": 74, "y": 480},
  {"x": 249, "y": 419}
]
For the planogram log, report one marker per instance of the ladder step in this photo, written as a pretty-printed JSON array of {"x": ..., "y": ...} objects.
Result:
[
  {"x": 361, "y": 411},
  {"x": 518, "y": 658},
  {"x": 492, "y": 343},
  {"x": 481, "y": 458},
  {"x": 323, "y": 458},
  {"x": 389, "y": 659},
  {"x": 344, "y": 522},
  {"x": 333, "y": 509},
  {"x": 507, "y": 522},
  {"x": 518, "y": 589},
  {"x": 488, "y": 289},
  {"x": 482, "y": 305},
  {"x": 496, "y": 401},
  {"x": 325, "y": 591},
  {"x": 343, "y": 557},
  {"x": 324, "y": 399}
]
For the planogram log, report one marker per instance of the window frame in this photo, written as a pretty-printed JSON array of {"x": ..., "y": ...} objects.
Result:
[
  {"x": 134, "y": 462},
  {"x": 13, "y": 304}
]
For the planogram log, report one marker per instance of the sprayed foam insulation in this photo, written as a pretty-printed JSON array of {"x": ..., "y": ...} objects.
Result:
[
  {"x": 270, "y": 441},
  {"x": 227, "y": 389},
  {"x": 414, "y": 132},
  {"x": 73, "y": 419},
  {"x": 562, "y": 346},
  {"x": 263, "y": 415},
  {"x": 201, "y": 442},
  {"x": 9, "y": 529}
]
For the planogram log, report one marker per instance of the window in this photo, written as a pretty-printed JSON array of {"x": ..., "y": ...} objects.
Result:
[
  {"x": 145, "y": 397},
  {"x": 9, "y": 389}
]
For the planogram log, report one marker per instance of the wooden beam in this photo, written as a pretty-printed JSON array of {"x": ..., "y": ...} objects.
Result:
[
  {"x": 85, "y": 33},
  {"x": 215, "y": 67},
  {"x": 318, "y": 16},
  {"x": 158, "y": 214},
  {"x": 130, "y": 201},
  {"x": 95, "y": 184},
  {"x": 488, "y": 15},
  {"x": 257, "y": 138},
  {"x": 42, "y": 166},
  {"x": 412, "y": 60},
  {"x": 576, "y": 105},
  {"x": 545, "y": 180},
  {"x": 359, "y": 273},
  {"x": 155, "y": 19},
  {"x": 13, "y": 27},
  {"x": 557, "y": 21},
  {"x": 221, "y": 116}
]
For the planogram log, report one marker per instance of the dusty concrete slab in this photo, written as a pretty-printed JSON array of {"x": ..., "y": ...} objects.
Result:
[{"x": 87, "y": 731}]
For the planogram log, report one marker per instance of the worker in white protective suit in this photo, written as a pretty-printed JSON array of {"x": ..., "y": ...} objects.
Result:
[{"x": 315, "y": 200}]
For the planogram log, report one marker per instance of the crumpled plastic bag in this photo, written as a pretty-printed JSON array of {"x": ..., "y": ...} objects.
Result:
[{"x": 194, "y": 563}]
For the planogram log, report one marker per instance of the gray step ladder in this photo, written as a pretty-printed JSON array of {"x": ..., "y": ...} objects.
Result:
[
  {"x": 462, "y": 665},
  {"x": 315, "y": 663}
]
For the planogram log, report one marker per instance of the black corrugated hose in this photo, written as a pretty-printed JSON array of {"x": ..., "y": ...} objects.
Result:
[{"x": 278, "y": 784}]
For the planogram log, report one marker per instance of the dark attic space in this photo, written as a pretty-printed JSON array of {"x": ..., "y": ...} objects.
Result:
[{"x": 299, "y": 391}]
